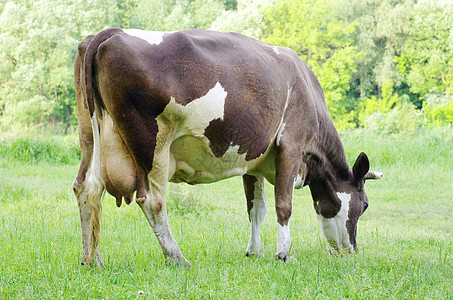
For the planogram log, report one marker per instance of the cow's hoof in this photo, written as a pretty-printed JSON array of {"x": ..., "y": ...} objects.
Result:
[
  {"x": 99, "y": 261},
  {"x": 287, "y": 258},
  {"x": 90, "y": 261},
  {"x": 283, "y": 256},
  {"x": 254, "y": 253}
]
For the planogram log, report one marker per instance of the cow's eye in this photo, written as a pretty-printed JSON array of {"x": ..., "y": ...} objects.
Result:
[{"x": 365, "y": 206}]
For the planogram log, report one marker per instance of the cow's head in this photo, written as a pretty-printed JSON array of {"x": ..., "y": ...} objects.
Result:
[{"x": 339, "y": 203}]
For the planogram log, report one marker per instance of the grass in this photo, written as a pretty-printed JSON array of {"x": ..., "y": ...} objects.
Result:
[{"x": 405, "y": 238}]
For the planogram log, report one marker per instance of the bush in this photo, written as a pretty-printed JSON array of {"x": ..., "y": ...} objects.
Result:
[
  {"x": 438, "y": 111},
  {"x": 402, "y": 120}
]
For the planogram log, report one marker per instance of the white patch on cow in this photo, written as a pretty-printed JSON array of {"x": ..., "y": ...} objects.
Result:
[
  {"x": 94, "y": 186},
  {"x": 280, "y": 134},
  {"x": 275, "y": 48},
  {"x": 94, "y": 178},
  {"x": 257, "y": 214},
  {"x": 283, "y": 240},
  {"x": 334, "y": 228},
  {"x": 282, "y": 125},
  {"x": 198, "y": 113},
  {"x": 298, "y": 181},
  {"x": 152, "y": 37}
]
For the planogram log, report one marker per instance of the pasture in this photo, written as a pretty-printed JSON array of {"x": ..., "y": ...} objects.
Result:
[{"x": 405, "y": 238}]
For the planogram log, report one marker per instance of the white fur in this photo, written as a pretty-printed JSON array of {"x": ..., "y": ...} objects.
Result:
[
  {"x": 298, "y": 181},
  {"x": 257, "y": 214},
  {"x": 282, "y": 125},
  {"x": 335, "y": 228},
  {"x": 283, "y": 239},
  {"x": 94, "y": 185},
  {"x": 280, "y": 134},
  {"x": 275, "y": 48},
  {"x": 205, "y": 109},
  {"x": 198, "y": 113},
  {"x": 94, "y": 172},
  {"x": 152, "y": 37}
]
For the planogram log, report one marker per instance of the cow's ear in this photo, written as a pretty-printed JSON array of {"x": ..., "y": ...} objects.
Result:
[{"x": 361, "y": 167}]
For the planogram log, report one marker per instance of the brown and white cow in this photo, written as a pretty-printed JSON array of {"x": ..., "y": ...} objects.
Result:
[{"x": 199, "y": 106}]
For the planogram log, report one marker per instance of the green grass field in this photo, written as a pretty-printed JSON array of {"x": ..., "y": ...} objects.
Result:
[{"x": 405, "y": 238}]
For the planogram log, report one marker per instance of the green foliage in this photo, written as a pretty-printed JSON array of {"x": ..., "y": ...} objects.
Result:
[
  {"x": 361, "y": 51},
  {"x": 427, "y": 53},
  {"x": 126, "y": 10},
  {"x": 438, "y": 111},
  {"x": 51, "y": 149},
  {"x": 247, "y": 19},
  {"x": 36, "y": 61},
  {"x": 385, "y": 104},
  {"x": 167, "y": 15},
  {"x": 402, "y": 120},
  {"x": 389, "y": 114},
  {"x": 380, "y": 29},
  {"x": 323, "y": 40}
]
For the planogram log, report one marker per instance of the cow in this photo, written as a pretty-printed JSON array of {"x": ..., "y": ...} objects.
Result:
[{"x": 198, "y": 106}]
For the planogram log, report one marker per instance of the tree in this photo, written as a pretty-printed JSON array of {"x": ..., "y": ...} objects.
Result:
[
  {"x": 164, "y": 15},
  {"x": 126, "y": 10},
  {"x": 246, "y": 19},
  {"x": 323, "y": 40},
  {"x": 380, "y": 28},
  {"x": 426, "y": 58},
  {"x": 36, "y": 61}
]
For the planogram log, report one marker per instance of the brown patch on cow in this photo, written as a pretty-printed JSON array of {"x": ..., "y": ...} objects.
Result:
[
  {"x": 83, "y": 114},
  {"x": 249, "y": 188},
  {"x": 325, "y": 200},
  {"x": 157, "y": 207}
]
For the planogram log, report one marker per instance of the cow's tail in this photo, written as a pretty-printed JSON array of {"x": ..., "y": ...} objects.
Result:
[
  {"x": 88, "y": 61},
  {"x": 95, "y": 189},
  {"x": 95, "y": 183}
]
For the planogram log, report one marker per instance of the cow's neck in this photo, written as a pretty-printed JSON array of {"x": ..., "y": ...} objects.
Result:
[{"x": 327, "y": 167}]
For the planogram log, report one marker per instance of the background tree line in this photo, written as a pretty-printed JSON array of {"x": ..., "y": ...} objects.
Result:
[{"x": 384, "y": 64}]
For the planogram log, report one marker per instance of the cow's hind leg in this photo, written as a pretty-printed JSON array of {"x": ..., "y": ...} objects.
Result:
[
  {"x": 89, "y": 195},
  {"x": 83, "y": 193},
  {"x": 85, "y": 216},
  {"x": 256, "y": 208},
  {"x": 153, "y": 203},
  {"x": 155, "y": 210}
]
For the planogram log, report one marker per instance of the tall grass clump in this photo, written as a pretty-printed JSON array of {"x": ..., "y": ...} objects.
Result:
[
  {"x": 424, "y": 146},
  {"x": 41, "y": 149}
]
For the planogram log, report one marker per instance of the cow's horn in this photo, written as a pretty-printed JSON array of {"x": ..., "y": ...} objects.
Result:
[{"x": 374, "y": 175}]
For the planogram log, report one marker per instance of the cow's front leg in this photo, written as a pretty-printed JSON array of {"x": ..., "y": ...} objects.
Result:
[
  {"x": 287, "y": 167},
  {"x": 256, "y": 208}
]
